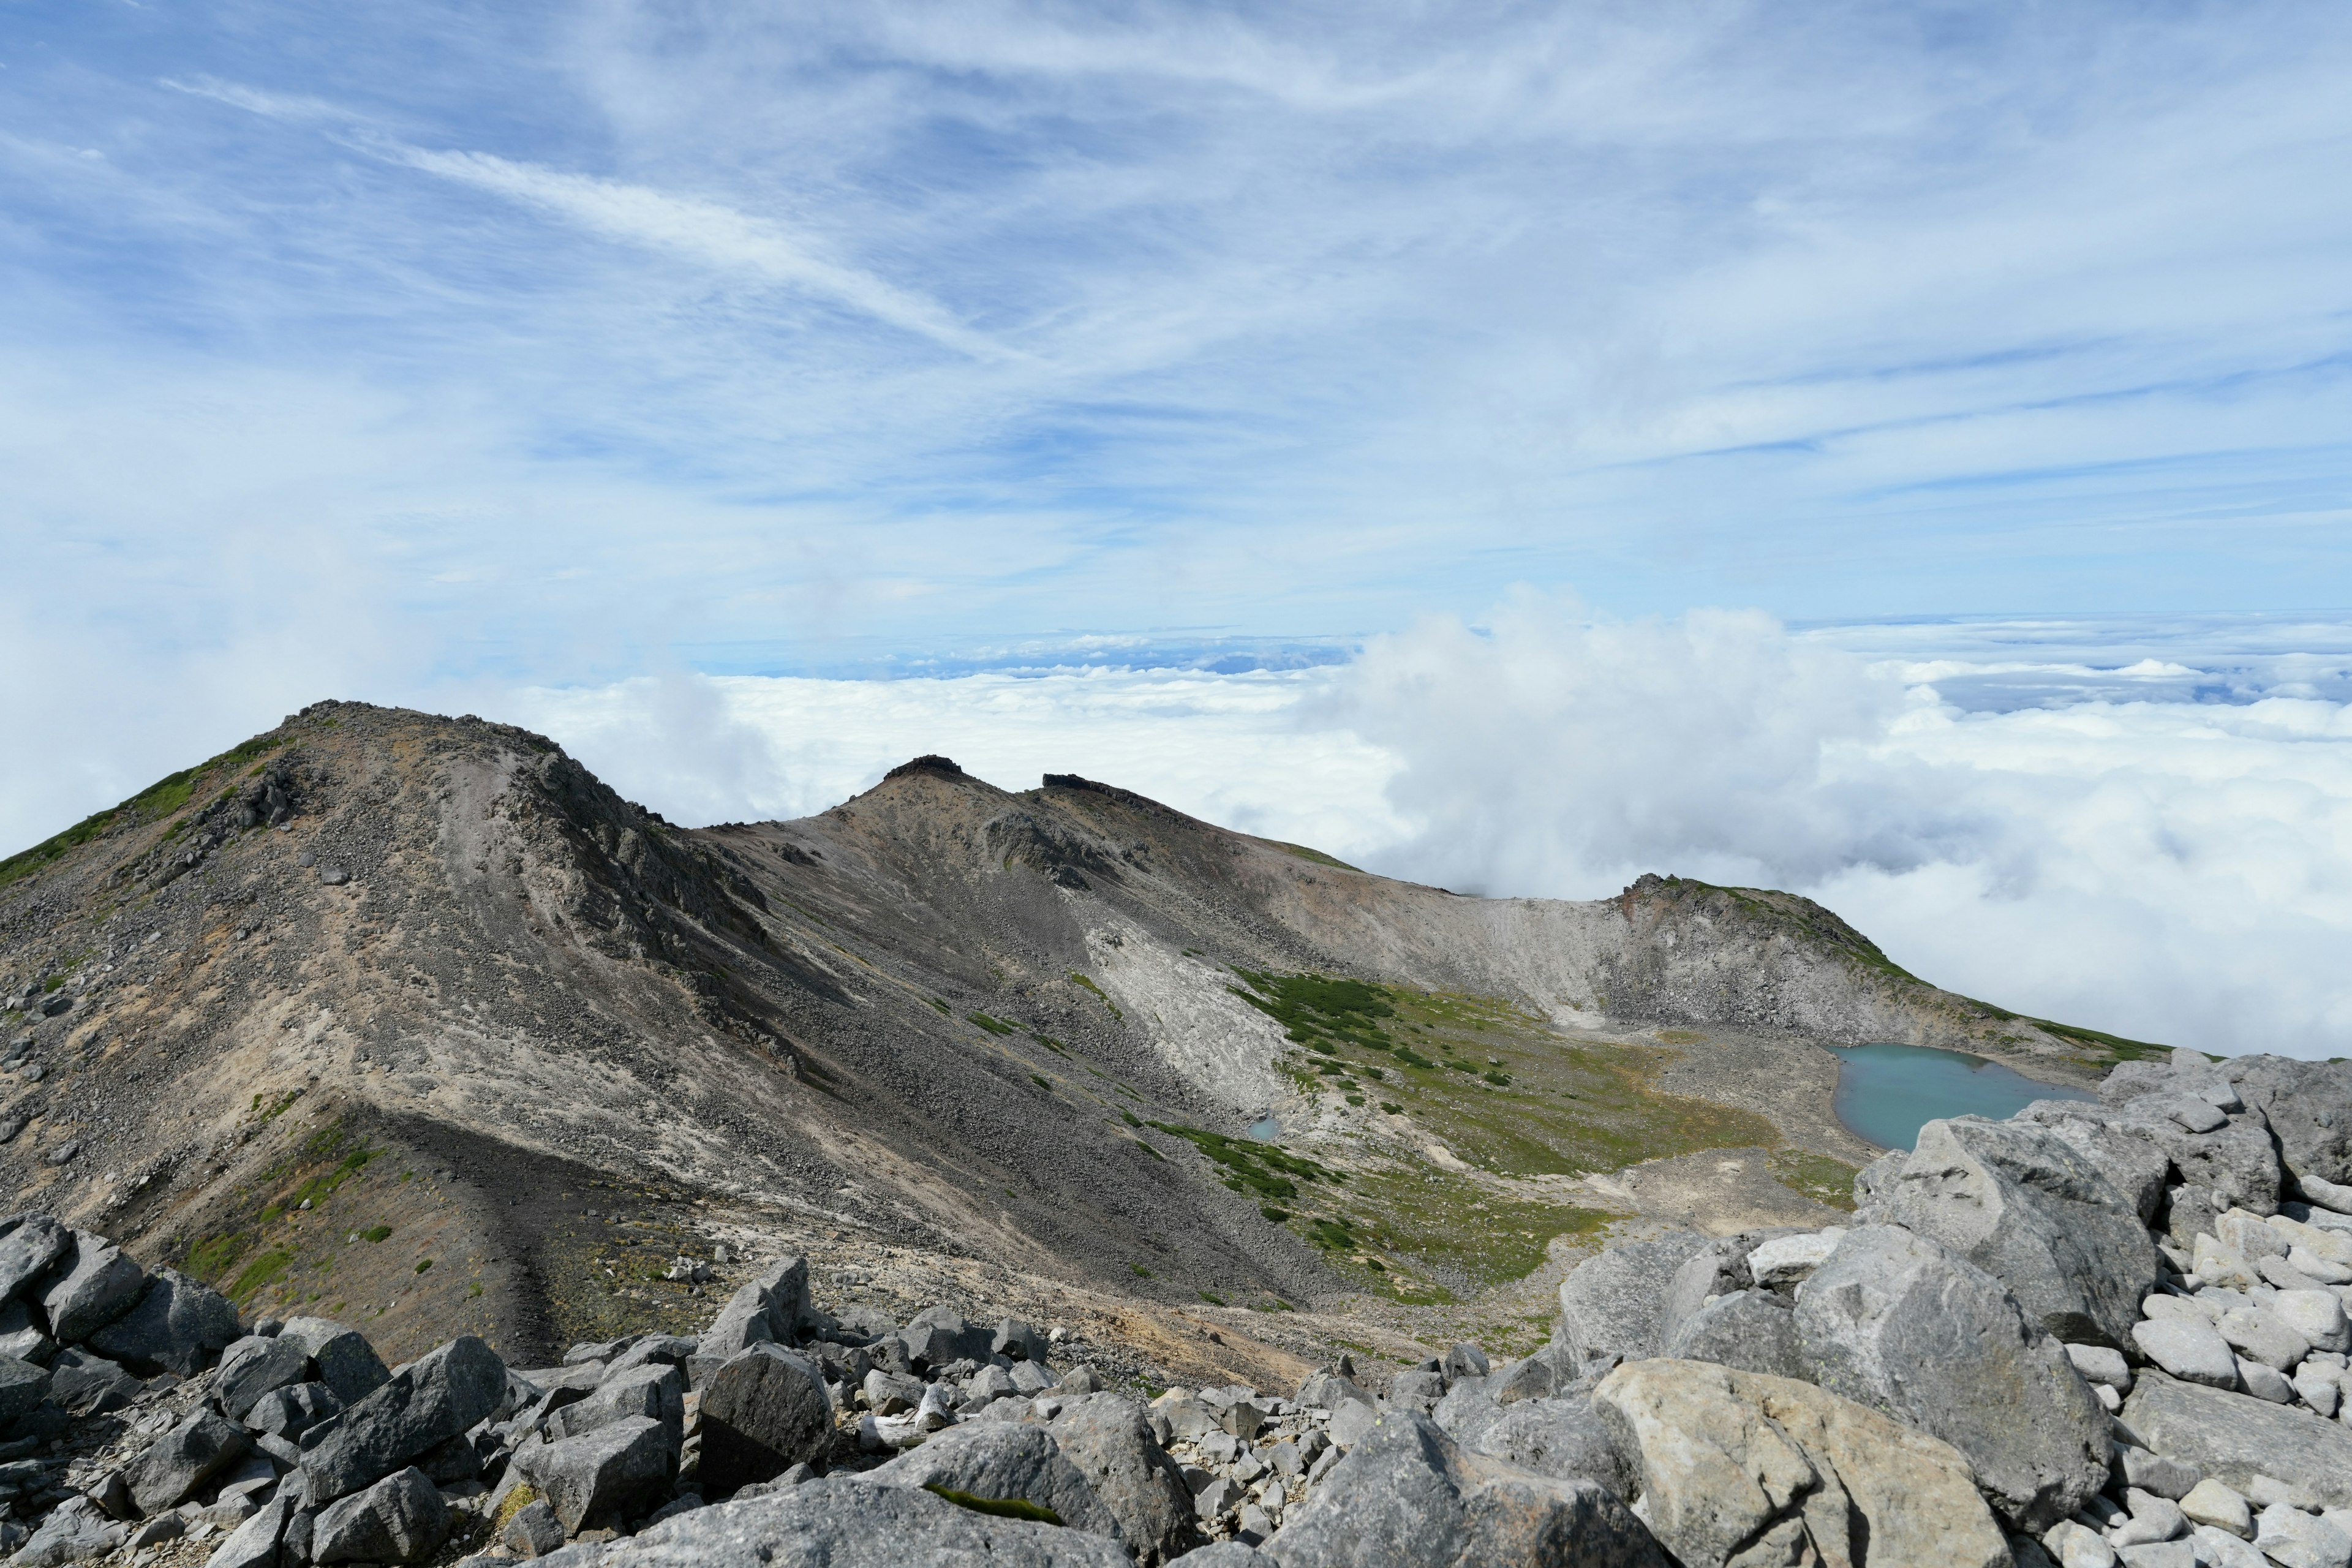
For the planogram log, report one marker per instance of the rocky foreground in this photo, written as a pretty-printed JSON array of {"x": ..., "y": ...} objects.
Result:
[{"x": 2097, "y": 1333}]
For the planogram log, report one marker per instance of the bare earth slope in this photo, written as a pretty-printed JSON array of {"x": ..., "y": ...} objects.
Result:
[{"x": 411, "y": 1021}]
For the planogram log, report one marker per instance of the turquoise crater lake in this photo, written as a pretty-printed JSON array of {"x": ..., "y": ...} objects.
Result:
[{"x": 1887, "y": 1094}]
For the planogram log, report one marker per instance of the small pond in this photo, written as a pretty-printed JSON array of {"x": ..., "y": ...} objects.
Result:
[
  {"x": 1887, "y": 1094},
  {"x": 1265, "y": 1130}
]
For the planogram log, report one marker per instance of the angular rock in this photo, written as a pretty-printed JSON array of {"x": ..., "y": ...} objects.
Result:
[
  {"x": 2157, "y": 1473},
  {"x": 32, "y": 1245},
  {"x": 650, "y": 1389},
  {"x": 177, "y": 1464},
  {"x": 1562, "y": 1438},
  {"x": 1908, "y": 1327},
  {"x": 1330, "y": 1390},
  {"x": 1612, "y": 1303},
  {"x": 1407, "y": 1495},
  {"x": 762, "y": 1412},
  {"x": 533, "y": 1531},
  {"x": 344, "y": 1360},
  {"x": 1466, "y": 1361},
  {"x": 938, "y": 1336},
  {"x": 1110, "y": 1443},
  {"x": 1018, "y": 1340},
  {"x": 1751, "y": 1329},
  {"x": 88, "y": 1384},
  {"x": 2131, "y": 1156},
  {"x": 2018, "y": 1201},
  {"x": 1781, "y": 1262},
  {"x": 94, "y": 1285},
  {"x": 844, "y": 1523},
  {"x": 1729, "y": 1461},
  {"x": 74, "y": 1532},
  {"x": 2097, "y": 1363},
  {"x": 401, "y": 1519},
  {"x": 2238, "y": 1163},
  {"x": 254, "y": 1366},
  {"x": 611, "y": 1474},
  {"x": 767, "y": 1309},
  {"x": 2261, "y": 1336},
  {"x": 2208, "y": 1502},
  {"x": 291, "y": 1412},
  {"x": 2293, "y": 1538},
  {"x": 1005, "y": 1462},
  {"x": 22, "y": 1386},
  {"x": 178, "y": 1325},
  {"x": 2316, "y": 1316},
  {"x": 2309, "y": 1108},
  {"x": 2233, "y": 1437},
  {"x": 434, "y": 1399}
]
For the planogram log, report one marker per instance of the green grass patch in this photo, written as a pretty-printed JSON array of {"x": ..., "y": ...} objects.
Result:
[
  {"x": 993, "y": 1025},
  {"x": 1817, "y": 1176},
  {"x": 945, "y": 1010},
  {"x": 996, "y": 1507},
  {"x": 156, "y": 802},
  {"x": 1303, "y": 853},
  {"x": 1097, "y": 990},
  {"x": 211, "y": 1258},
  {"x": 376, "y": 1233},
  {"x": 423, "y": 1264},
  {"x": 1212, "y": 1299},
  {"x": 1042, "y": 1082},
  {"x": 263, "y": 1270},
  {"x": 1252, "y": 1166},
  {"x": 1141, "y": 1272}
]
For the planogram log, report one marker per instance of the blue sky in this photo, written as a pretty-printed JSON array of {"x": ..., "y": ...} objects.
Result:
[
  {"x": 560, "y": 339},
  {"x": 472, "y": 356}
]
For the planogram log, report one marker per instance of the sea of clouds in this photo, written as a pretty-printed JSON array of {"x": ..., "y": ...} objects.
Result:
[{"x": 2141, "y": 826}]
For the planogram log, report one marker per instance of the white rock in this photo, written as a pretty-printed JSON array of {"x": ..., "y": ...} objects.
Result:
[
  {"x": 2316, "y": 1315},
  {"x": 2293, "y": 1538},
  {"x": 2218, "y": 1549},
  {"x": 2097, "y": 1363},
  {"x": 2318, "y": 1387},
  {"x": 2265, "y": 1382},
  {"x": 1789, "y": 1258},
  {"x": 2190, "y": 1349},
  {"x": 2077, "y": 1546},
  {"x": 2210, "y": 1502},
  {"x": 2182, "y": 1308},
  {"x": 2224, "y": 1265}
]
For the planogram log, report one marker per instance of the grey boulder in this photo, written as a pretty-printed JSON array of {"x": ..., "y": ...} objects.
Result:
[
  {"x": 647, "y": 1389},
  {"x": 31, "y": 1246},
  {"x": 2309, "y": 1108},
  {"x": 1900, "y": 1323},
  {"x": 22, "y": 1386},
  {"x": 438, "y": 1397},
  {"x": 2237, "y": 1163},
  {"x": 1612, "y": 1303},
  {"x": 289, "y": 1412},
  {"x": 1005, "y": 1462},
  {"x": 1409, "y": 1495},
  {"x": 74, "y": 1532},
  {"x": 178, "y": 1325},
  {"x": 1562, "y": 1438},
  {"x": 938, "y": 1335},
  {"x": 2190, "y": 1349},
  {"x": 344, "y": 1360},
  {"x": 89, "y": 1385},
  {"x": 1109, "y": 1441},
  {"x": 1752, "y": 1329},
  {"x": 2018, "y": 1201},
  {"x": 762, "y": 1412},
  {"x": 614, "y": 1473},
  {"x": 401, "y": 1519},
  {"x": 254, "y": 1366},
  {"x": 768, "y": 1308},
  {"x": 2129, "y": 1155},
  {"x": 2233, "y": 1437},
  {"x": 96, "y": 1285},
  {"x": 839, "y": 1522},
  {"x": 178, "y": 1464}
]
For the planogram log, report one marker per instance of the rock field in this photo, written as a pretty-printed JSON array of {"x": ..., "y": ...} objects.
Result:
[{"x": 2043, "y": 1340}]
